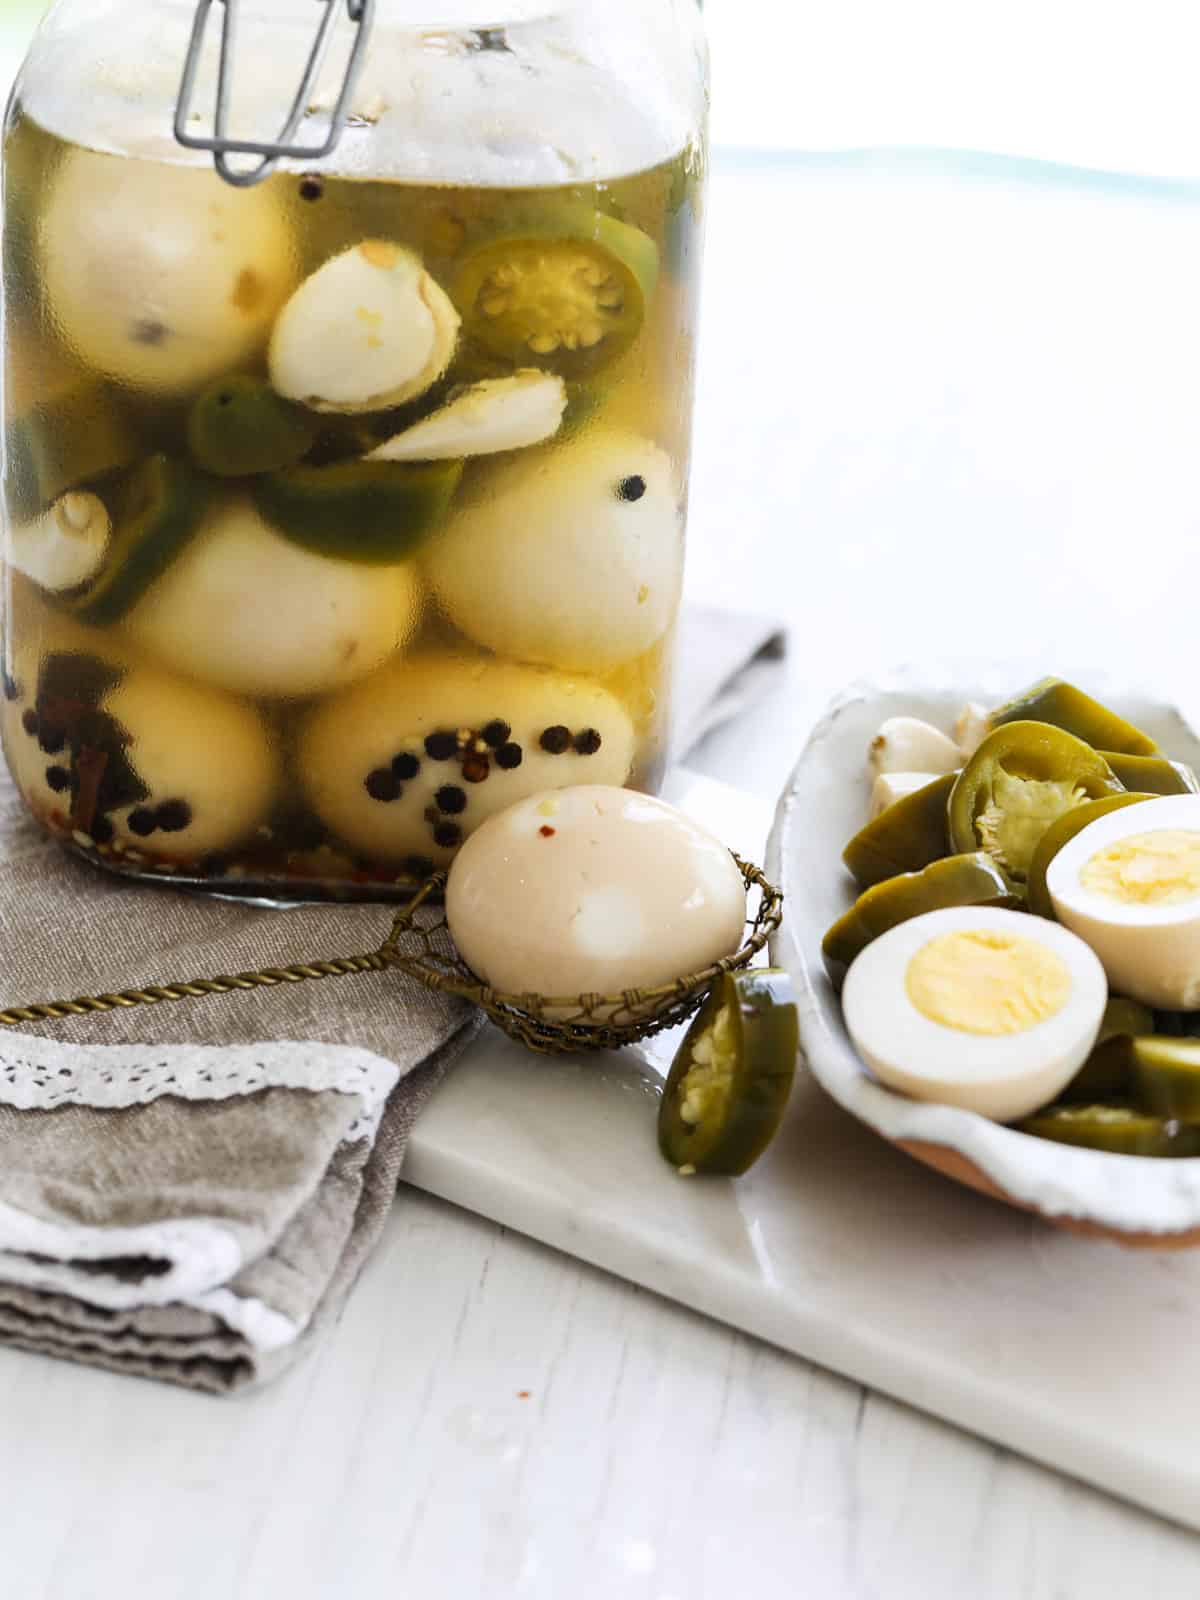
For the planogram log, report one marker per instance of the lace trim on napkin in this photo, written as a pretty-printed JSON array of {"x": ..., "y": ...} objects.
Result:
[
  {"x": 43, "y": 1074},
  {"x": 195, "y": 1255}
]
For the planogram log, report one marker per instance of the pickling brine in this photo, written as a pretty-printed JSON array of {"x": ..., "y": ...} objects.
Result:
[{"x": 340, "y": 512}]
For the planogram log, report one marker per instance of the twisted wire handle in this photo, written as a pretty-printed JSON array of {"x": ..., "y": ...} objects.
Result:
[
  {"x": 196, "y": 989},
  {"x": 153, "y": 994}
]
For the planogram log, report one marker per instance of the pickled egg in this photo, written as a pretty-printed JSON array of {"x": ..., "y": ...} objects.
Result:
[
  {"x": 414, "y": 758},
  {"x": 1129, "y": 884},
  {"x": 570, "y": 556},
  {"x": 592, "y": 890},
  {"x": 162, "y": 277},
  {"x": 990, "y": 1010},
  {"x": 245, "y": 609}
]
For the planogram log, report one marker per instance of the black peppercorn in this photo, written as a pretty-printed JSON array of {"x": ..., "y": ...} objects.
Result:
[
  {"x": 382, "y": 784},
  {"x": 174, "y": 816},
  {"x": 441, "y": 746}
]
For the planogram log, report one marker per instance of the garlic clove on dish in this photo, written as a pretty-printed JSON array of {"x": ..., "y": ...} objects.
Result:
[
  {"x": 906, "y": 744},
  {"x": 485, "y": 419},
  {"x": 64, "y": 548},
  {"x": 971, "y": 728},
  {"x": 892, "y": 786}
]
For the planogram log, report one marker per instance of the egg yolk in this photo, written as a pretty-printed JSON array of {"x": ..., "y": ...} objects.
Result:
[
  {"x": 1147, "y": 869},
  {"x": 979, "y": 981}
]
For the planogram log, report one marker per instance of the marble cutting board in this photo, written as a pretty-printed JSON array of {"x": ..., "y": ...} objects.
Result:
[{"x": 839, "y": 1248}]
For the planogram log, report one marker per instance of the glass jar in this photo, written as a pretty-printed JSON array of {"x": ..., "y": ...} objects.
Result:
[{"x": 344, "y": 507}]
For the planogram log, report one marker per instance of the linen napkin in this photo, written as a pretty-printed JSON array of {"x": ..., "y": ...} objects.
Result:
[{"x": 197, "y": 1208}]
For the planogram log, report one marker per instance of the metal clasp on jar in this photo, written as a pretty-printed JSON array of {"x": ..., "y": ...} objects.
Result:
[{"x": 271, "y": 152}]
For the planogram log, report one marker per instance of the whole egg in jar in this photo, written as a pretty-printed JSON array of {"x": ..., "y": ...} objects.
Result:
[{"x": 161, "y": 277}]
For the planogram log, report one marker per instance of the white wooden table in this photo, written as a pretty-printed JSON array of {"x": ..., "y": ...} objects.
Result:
[{"x": 936, "y": 413}]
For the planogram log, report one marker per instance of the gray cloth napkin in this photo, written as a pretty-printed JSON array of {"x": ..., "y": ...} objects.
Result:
[{"x": 196, "y": 1208}]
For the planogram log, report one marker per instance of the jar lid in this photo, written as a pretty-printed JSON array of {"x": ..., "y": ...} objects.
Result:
[{"x": 551, "y": 92}]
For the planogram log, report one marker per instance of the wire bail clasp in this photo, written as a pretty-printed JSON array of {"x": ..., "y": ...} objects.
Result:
[{"x": 362, "y": 15}]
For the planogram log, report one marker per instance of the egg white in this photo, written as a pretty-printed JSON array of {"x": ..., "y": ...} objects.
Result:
[
  {"x": 1002, "y": 1077},
  {"x": 1151, "y": 953}
]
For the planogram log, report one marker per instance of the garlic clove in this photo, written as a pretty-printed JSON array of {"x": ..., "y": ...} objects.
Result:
[
  {"x": 906, "y": 744},
  {"x": 368, "y": 330},
  {"x": 495, "y": 415},
  {"x": 971, "y": 728},
  {"x": 65, "y": 547},
  {"x": 892, "y": 786}
]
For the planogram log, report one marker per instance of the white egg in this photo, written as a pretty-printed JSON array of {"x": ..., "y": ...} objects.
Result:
[
  {"x": 409, "y": 762},
  {"x": 136, "y": 757},
  {"x": 571, "y": 555},
  {"x": 36, "y": 633},
  {"x": 206, "y": 762},
  {"x": 990, "y": 1010},
  {"x": 246, "y": 609},
  {"x": 1129, "y": 884},
  {"x": 368, "y": 330},
  {"x": 162, "y": 277},
  {"x": 593, "y": 890}
]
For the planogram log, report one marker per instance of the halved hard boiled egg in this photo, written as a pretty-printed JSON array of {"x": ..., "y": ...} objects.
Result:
[
  {"x": 990, "y": 1010},
  {"x": 1129, "y": 884}
]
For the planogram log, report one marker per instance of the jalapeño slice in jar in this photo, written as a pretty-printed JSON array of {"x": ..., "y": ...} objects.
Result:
[
  {"x": 1066, "y": 707},
  {"x": 973, "y": 880},
  {"x": 155, "y": 513},
  {"x": 730, "y": 1081},
  {"x": 69, "y": 441},
  {"x": 905, "y": 838},
  {"x": 374, "y": 512},
  {"x": 1057, "y": 835},
  {"x": 1118, "y": 1129},
  {"x": 567, "y": 293},
  {"x": 1022, "y": 778},
  {"x": 239, "y": 427}
]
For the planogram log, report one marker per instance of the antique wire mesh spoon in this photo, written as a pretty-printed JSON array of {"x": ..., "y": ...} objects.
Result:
[{"x": 550, "y": 1025}]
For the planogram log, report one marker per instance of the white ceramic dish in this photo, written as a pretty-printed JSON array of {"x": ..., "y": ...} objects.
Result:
[{"x": 1135, "y": 1199}]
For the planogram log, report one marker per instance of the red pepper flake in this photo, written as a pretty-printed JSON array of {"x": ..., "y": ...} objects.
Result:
[{"x": 546, "y": 831}]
